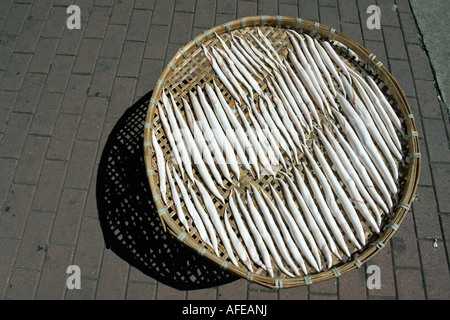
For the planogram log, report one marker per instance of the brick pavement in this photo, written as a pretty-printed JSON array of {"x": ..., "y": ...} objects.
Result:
[{"x": 62, "y": 91}]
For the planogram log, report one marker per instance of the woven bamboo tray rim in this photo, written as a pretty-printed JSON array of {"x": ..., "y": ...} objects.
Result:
[{"x": 373, "y": 65}]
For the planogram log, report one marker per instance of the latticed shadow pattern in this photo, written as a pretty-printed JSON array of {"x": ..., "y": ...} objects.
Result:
[{"x": 130, "y": 223}]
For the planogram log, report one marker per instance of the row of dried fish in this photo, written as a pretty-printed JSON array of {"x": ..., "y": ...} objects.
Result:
[{"x": 350, "y": 171}]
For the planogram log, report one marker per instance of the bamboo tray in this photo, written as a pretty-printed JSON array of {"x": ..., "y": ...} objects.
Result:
[{"x": 189, "y": 68}]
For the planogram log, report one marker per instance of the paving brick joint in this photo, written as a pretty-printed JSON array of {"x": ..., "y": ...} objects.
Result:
[{"x": 62, "y": 91}]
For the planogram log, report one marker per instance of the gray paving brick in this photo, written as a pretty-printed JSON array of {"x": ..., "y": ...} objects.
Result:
[
  {"x": 372, "y": 34},
  {"x": 348, "y": 10},
  {"x": 62, "y": 3},
  {"x": 59, "y": 73},
  {"x": 166, "y": 292},
  {"x": 148, "y": 4},
  {"x": 409, "y": 284},
  {"x": 445, "y": 222},
  {"x": 130, "y": 61},
  {"x": 7, "y": 43},
  {"x": 87, "y": 56},
  {"x": 323, "y": 297},
  {"x": 31, "y": 160},
  {"x": 162, "y": 12},
  {"x": 437, "y": 141},
  {"x": 395, "y": 45},
  {"x": 76, "y": 93},
  {"x": 378, "y": 49},
  {"x": 286, "y": 9},
  {"x": 156, "y": 44},
  {"x": 92, "y": 119},
  {"x": 234, "y": 290},
  {"x": 45, "y": 114},
  {"x": 435, "y": 270},
  {"x": 262, "y": 295},
  {"x": 90, "y": 247},
  {"x": 4, "y": 8},
  {"x": 56, "y": 22},
  {"x": 267, "y": 7},
  {"x": 15, "y": 71},
  {"x": 441, "y": 183},
  {"x": 171, "y": 50},
  {"x": 140, "y": 291},
  {"x": 246, "y": 9},
  {"x": 222, "y": 18},
  {"x": 326, "y": 287},
  {"x": 70, "y": 42},
  {"x": 122, "y": 96},
  {"x": 409, "y": 28},
  {"x": 68, "y": 217},
  {"x": 308, "y": 10},
  {"x": 426, "y": 214},
  {"x": 103, "y": 78},
  {"x": 299, "y": 293},
  {"x": 52, "y": 283},
  {"x": 226, "y": 6},
  {"x": 15, "y": 18},
  {"x": 121, "y": 12},
  {"x": 29, "y": 36},
  {"x": 403, "y": 6},
  {"x": 22, "y": 285},
  {"x": 81, "y": 164},
  {"x": 8, "y": 252},
  {"x": 420, "y": 63},
  {"x": 113, "y": 278},
  {"x": 135, "y": 275},
  {"x": 202, "y": 294},
  {"x": 389, "y": 16},
  {"x": 181, "y": 28},
  {"x": 139, "y": 25},
  {"x": 329, "y": 16},
  {"x": 44, "y": 55},
  {"x": 7, "y": 168},
  {"x": 34, "y": 242},
  {"x": 90, "y": 209},
  {"x": 185, "y": 5},
  {"x": 97, "y": 23},
  {"x": 14, "y": 217},
  {"x": 29, "y": 93},
  {"x": 14, "y": 135},
  {"x": 40, "y": 9},
  {"x": 103, "y": 3},
  {"x": 353, "y": 286},
  {"x": 63, "y": 134},
  {"x": 7, "y": 99},
  {"x": 401, "y": 70},
  {"x": 204, "y": 14},
  {"x": 49, "y": 187},
  {"x": 352, "y": 30},
  {"x": 327, "y": 3},
  {"x": 85, "y": 7},
  {"x": 428, "y": 101},
  {"x": 147, "y": 79},
  {"x": 113, "y": 42},
  {"x": 404, "y": 243}
]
